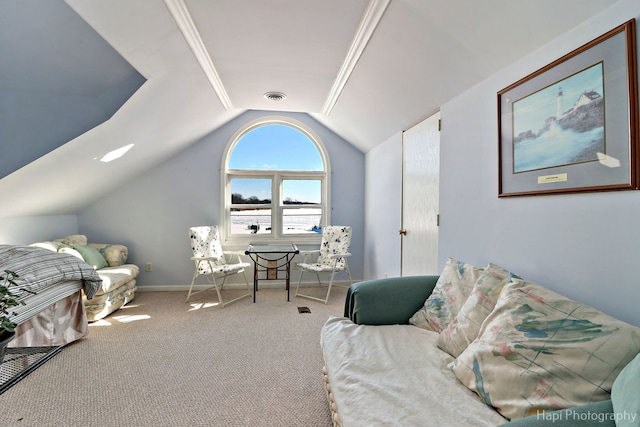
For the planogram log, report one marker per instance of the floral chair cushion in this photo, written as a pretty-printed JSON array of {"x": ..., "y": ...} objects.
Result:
[
  {"x": 336, "y": 239},
  {"x": 205, "y": 242}
]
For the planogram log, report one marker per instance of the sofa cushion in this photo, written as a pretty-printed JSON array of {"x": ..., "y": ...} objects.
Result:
[
  {"x": 75, "y": 239},
  {"x": 114, "y": 277},
  {"x": 102, "y": 305},
  {"x": 115, "y": 255},
  {"x": 451, "y": 291},
  {"x": 91, "y": 256},
  {"x": 103, "y": 300},
  {"x": 395, "y": 375},
  {"x": 624, "y": 395},
  {"x": 369, "y": 302},
  {"x": 69, "y": 250},
  {"x": 464, "y": 328},
  {"x": 539, "y": 351},
  {"x": 52, "y": 246}
]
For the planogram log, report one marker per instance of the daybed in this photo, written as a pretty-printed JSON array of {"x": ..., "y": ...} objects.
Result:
[
  {"x": 477, "y": 347},
  {"x": 118, "y": 278},
  {"x": 54, "y": 315}
]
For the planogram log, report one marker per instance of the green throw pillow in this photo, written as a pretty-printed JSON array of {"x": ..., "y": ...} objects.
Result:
[
  {"x": 92, "y": 256},
  {"x": 624, "y": 395}
]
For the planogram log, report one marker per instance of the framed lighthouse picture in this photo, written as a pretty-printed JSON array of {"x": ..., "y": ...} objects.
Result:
[{"x": 572, "y": 126}]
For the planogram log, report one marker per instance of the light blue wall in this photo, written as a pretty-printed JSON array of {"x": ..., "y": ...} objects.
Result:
[
  {"x": 383, "y": 213},
  {"x": 582, "y": 246},
  {"x": 31, "y": 229},
  {"x": 151, "y": 215}
]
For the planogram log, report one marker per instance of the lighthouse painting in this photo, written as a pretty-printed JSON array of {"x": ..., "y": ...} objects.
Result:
[
  {"x": 573, "y": 126},
  {"x": 561, "y": 124}
]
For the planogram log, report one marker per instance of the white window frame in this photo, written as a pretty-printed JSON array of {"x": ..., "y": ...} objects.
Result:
[{"x": 277, "y": 177}]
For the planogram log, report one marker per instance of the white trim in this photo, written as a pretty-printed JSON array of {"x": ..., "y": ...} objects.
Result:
[
  {"x": 370, "y": 19},
  {"x": 271, "y": 284},
  {"x": 180, "y": 13},
  {"x": 276, "y": 120}
]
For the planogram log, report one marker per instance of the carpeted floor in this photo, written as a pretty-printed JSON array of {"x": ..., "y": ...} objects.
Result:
[{"x": 164, "y": 362}]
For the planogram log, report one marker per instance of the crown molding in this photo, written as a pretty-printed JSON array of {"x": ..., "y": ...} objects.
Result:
[
  {"x": 370, "y": 19},
  {"x": 181, "y": 15}
]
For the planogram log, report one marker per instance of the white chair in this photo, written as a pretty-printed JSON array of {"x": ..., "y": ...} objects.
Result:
[
  {"x": 332, "y": 258},
  {"x": 210, "y": 261}
]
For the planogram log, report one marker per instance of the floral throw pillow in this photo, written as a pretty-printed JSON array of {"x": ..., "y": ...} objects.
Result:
[
  {"x": 115, "y": 255},
  {"x": 75, "y": 240},
  {"x": 451, "y": 291},
  {"x": 539, "y": 351},
  {"x": 464, "y": 328}
]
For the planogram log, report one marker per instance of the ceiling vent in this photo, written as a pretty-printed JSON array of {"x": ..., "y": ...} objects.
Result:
[{"x": 275, "y": 96}]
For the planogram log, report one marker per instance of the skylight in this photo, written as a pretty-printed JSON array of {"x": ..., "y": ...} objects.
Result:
[{"x": 116, "y": 154}]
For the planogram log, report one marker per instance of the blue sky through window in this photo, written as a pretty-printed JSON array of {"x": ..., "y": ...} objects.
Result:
[
  {"x": 302, "y": 190},
  {"x": 259, "y": 188},
  {"x": 276, "y": 147}
]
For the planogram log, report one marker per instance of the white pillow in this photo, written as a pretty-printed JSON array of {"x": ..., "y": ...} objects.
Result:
[
  {"x": 451, "y": 291},
  {"x": 539, "y": 351},
  {"x": 465, "y": 326},
  {"x": 70, "y": 251}
]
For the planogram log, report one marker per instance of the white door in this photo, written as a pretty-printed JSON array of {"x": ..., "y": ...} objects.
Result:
[{"x": 420, "y": 197}]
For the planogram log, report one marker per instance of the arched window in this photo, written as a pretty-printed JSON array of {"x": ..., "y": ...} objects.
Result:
[{"x": 275, "y": 177}]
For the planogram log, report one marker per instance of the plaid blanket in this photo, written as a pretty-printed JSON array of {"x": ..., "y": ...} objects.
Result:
[{"x": 39, "y": 269}]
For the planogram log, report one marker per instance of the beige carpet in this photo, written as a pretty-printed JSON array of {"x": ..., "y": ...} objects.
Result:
[{"x": 164, "y": 362}]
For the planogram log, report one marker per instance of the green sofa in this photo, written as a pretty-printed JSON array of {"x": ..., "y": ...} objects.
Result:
[{"x": 393, "y": 301}]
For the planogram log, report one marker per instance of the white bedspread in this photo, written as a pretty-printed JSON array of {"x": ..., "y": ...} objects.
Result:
[{"x": 396, "y": 376}]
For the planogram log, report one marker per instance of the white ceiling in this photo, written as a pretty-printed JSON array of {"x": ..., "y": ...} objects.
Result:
[{"x": 386, "y": 64}]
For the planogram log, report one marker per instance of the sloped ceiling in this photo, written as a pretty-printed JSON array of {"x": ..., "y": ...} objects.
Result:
[
  {"x": 365, "y": 69},
  {"x": 59, "y": 79}
]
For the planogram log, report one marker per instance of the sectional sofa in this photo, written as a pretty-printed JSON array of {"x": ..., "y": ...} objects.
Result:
[
  {"x": 118, "y": 285},
  {"x": 477, "y": 347}
]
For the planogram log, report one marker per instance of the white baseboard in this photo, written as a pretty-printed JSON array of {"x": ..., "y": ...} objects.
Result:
[{"x": 264, "y": 284}]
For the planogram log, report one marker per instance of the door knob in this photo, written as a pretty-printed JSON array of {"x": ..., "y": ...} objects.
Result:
[{"x": 402, "y": 232}]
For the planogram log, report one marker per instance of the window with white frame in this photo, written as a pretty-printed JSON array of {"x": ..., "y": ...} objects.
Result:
[{"x": 275, "y": 178}]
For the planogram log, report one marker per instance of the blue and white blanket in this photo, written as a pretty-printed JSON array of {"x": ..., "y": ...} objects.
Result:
[{"x": 39, "y": 269}]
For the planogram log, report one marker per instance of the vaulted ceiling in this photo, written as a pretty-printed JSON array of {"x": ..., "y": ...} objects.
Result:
[{"x": 366, "y": 69}]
